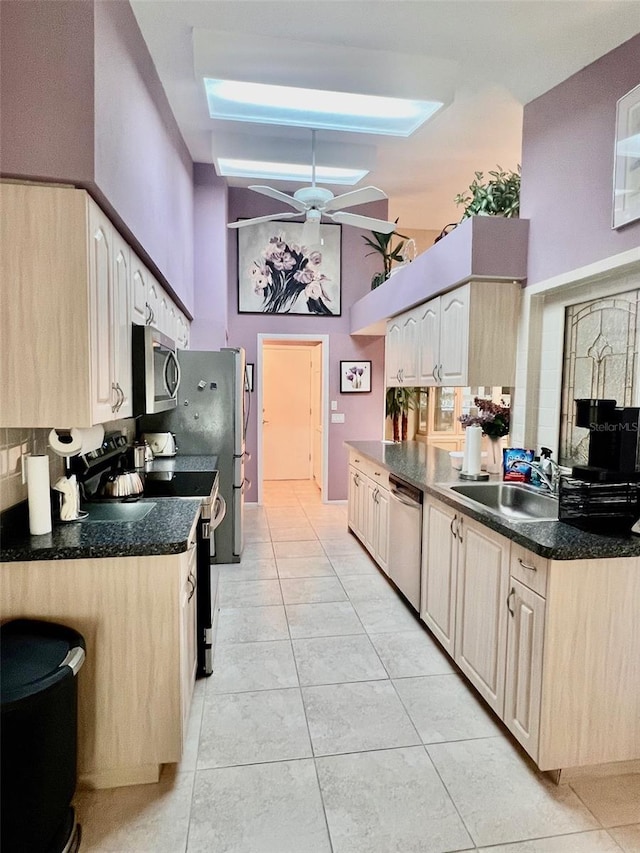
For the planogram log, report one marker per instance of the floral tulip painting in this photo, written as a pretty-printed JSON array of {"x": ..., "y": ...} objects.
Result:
[
  {"x": 277, "y": 274},
  {"x": 355, "y": 376}
]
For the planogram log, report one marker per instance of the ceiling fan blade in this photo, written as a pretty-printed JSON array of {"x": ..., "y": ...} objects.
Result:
[
  {"x": 310, "y": 233},
  {"x": 242, "y": 222},
  {"x": 362, "y": 196},
  {"x": 280, "y": 196},
  {"x": 367, "y": 222}
]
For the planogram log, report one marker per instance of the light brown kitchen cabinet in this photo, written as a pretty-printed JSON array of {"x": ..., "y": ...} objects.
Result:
[
  {"x": 135, "y": 688},
  {"x": 481, "y": 615},
  {"x": 368, "y": 507},
  {"x": 553, "y": 646},
  {"x": 523, "y": 683},
  {"x": 439, "y": 570},
  {"x": 450, "y": 340},
  {"x": 65, "y": 281}
]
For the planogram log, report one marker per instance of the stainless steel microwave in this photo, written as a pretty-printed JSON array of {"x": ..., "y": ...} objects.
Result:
[{"x": 156, "y": 372}]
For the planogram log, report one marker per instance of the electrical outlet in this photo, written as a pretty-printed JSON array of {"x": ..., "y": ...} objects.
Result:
[
  {"x": 334, "y": 405},
  {"x": 337, "y": 418}
]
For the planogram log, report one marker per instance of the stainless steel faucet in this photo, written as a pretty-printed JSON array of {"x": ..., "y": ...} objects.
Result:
[{"x": 553, "y": 482}]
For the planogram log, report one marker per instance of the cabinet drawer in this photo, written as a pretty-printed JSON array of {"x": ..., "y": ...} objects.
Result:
[
  {"x": 529, "y": 569},
  {"x": 370, "y": 469}
]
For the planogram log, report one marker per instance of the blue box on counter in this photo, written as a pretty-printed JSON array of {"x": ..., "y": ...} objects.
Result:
[{"x": 514, "y": 464}]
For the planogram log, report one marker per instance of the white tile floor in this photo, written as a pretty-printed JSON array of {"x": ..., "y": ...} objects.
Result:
[{"x": 333, "y": 722}]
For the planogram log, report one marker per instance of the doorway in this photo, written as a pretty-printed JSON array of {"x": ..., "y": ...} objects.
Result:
[{"x": 292, "y": 381}]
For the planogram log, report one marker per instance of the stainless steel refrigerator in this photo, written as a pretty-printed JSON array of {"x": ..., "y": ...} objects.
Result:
[{"x": 211, "y": 418}]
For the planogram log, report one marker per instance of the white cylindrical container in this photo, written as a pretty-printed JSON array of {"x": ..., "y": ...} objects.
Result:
[
  {"x": 472, "y": 450},
  {"x": 38, "y": 495}
]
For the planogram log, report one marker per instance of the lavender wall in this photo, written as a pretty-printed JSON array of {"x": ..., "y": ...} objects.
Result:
[
  {"x": 82, "y": 103},
  {"x": 363, "y": 413},
  {"x": 209, "y": 327},
  {"x": 46, "y": 90},
  {"x": 142, "y": 165},
  {"x": 567, "y": 167}
]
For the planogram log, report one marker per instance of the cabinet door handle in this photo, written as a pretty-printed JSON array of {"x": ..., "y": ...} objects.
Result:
[
  {"x": 121, "y": 395},
  {"x": 453, "y": 532},
  {"x": 511, "y": 593},
  {"x": 356, "y": 480},
  {"x": 439, "y": 373},
  {"x": 375, "y": 495},
  {"x": 114, "y": 406},
  {"x": 459, "y": 528},
  {"x": 526, "y": 566},
  {"x": 434, "y": 373}
]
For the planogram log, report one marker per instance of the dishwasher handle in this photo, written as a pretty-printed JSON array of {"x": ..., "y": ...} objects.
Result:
[{"x": 405, "y": 492}]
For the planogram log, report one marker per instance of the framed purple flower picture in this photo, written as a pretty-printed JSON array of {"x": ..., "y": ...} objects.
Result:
[
  {"x": 355, "y": 377},
  {"x": 278, "y": 274}
]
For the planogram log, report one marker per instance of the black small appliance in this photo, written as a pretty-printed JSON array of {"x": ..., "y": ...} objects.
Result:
[{"x": 604, "y": 495}]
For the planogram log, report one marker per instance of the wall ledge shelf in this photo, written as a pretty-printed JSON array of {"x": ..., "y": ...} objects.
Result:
[{"x": 481, "y": 247}]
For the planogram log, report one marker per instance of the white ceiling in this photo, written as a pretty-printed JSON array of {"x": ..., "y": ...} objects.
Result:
[{"x": 489, "y": 57}]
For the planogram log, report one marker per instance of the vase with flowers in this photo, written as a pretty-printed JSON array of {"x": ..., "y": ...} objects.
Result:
[{"x": 494, "y": 418}]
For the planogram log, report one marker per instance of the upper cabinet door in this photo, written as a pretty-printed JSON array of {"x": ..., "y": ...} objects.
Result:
[
  {"x": 153, "y": 302},
  {"x": 429, "y": 336},
  {"x": 454, "y": 337},
  {"x": 393, "y": 353},
  {"x": 122, "y": 325},
  {"x": 139, "y": 287},
  {"x": 103, "y": 394},
  {"x": 410, "y": 350}
]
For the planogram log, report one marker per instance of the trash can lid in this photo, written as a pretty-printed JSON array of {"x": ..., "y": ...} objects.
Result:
[{"x": 32, "y": 655}]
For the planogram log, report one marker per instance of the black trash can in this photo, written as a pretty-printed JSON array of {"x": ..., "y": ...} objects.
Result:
[{"x": 38, "y": 736}]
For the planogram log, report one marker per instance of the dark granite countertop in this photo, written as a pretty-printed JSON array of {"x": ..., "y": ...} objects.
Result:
[
  {"x": 183, "y": 463},
  {"x": 165, "y": 530},
  {"x": 429, "y": 469}
]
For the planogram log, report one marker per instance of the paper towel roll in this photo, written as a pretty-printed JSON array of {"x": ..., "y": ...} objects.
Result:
[
  {"x": 472, "y": 450},
  {"x": 72, "y": 442},
  {"x": 92, "y": 438},
  {"x": 38, "y": 495}
]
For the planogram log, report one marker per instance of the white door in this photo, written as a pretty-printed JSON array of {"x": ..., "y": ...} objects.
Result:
[
  {"x": 286, "y": 416},
  {"x": 139, "y": 284},
  {"x": 122, "y": 325},
  {"x": 410, "y": 354},
  {"x": 316, "y": 413}
]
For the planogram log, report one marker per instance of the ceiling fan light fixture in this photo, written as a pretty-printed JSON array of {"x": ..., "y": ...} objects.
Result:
[
  {"x": 264, "y": 103},
  {"x": 229, "y": 167}
]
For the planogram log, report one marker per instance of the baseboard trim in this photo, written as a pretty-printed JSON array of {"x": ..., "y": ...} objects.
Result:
[
  {"x": 119, "y": 777},
  {"x": 597, "y": 771}
]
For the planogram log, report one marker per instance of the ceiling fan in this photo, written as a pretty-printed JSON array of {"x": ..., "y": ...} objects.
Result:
[{"x": 315, "y": 202}]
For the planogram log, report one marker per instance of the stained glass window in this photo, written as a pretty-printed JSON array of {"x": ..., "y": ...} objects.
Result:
[{"x": 600, "y": 362}]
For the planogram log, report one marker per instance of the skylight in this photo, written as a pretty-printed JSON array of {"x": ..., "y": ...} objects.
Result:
[
  {"x": 289, "y": 105},
  {"x": 233, "y": 168}
]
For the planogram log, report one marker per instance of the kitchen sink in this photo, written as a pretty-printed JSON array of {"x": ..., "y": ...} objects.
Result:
[
  {"x": 511, "y": 501},
  {"x": 118, "y": 511}
]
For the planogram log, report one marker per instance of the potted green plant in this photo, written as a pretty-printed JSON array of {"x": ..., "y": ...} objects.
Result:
[
  {"x": 382, "y": 245},
  {"x": 498, "y": 196},
  {"x": 398, "y": 403}
]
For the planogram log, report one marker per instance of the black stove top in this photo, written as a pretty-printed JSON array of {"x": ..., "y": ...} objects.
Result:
[{"x": 180, "y": 484}]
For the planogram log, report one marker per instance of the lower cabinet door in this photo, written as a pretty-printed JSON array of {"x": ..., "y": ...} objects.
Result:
[
  {"x": 439, "y": 571},
  {"x": 525, "y": 638},
  {"x": 481, "y": 614},
  {"x": 381, "y": 539},
  {"x": 188, "y": 628}
]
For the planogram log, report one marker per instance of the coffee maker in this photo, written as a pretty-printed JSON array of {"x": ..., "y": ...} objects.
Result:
[
  {"x": 613, "y": 441},
  {"x": 604, "y": 495}
]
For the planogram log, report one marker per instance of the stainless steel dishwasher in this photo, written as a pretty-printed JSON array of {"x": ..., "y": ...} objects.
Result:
[{"x": 405, "y": 538}]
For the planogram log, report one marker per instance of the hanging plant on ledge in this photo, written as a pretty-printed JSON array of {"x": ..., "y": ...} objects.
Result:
[
  {"x": 499, "y": 196},
  {"x": 381, "y": 245}
]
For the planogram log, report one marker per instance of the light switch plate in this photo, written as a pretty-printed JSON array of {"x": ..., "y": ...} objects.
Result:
[
  {"x": 337, "y": 418},
  {"x": 334, "y": 405}
]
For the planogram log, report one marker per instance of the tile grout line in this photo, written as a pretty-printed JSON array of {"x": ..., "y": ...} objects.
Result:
[{"x": 306, "y": 720}]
